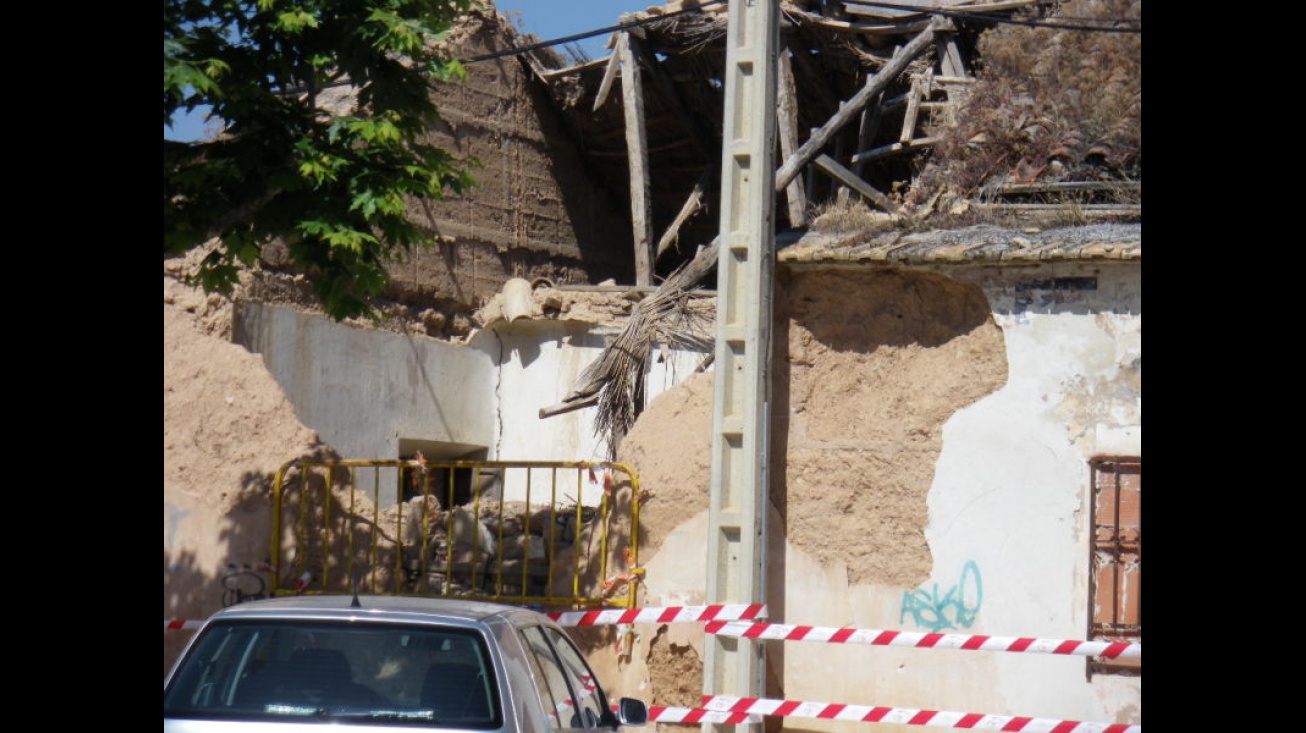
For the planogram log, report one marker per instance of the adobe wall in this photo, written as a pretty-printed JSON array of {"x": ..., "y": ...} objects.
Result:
[
  {"x": 930, "y": 441},
  {"x": 532, "y": 213},
  {"x": 930, "y": 452}
]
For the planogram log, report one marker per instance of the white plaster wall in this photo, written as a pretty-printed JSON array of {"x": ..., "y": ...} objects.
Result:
[
  {"x": 362, "y": 390},
  {"x": 538, "y": 363},
  {"x": 1011, "y": 487}
]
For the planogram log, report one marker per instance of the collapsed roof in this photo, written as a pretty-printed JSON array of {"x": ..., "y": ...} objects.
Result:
[
  {"x": 874, "y": 101},
  {"x": 837, "y": 141}
]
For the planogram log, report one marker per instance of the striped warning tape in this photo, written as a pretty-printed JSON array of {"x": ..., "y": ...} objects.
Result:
[
  {"x": 671, "y": 614},
  {"x": 976, "y": 642},
  {"x": 664, "y": 714},
  {"x": 736, "y": 620},
  {"x": 177, "y": 623},
  {"x": 723, "y": 709},
  {"x": 908, "y": 716}
]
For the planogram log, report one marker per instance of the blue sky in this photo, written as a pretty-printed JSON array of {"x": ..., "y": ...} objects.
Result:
[{"x": 548, "y": 19}]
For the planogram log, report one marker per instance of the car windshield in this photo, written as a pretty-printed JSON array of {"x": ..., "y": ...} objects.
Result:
[{"x": 304, "y": 670}]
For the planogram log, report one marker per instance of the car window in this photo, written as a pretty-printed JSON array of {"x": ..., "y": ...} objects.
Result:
[
  {"x": 567, "y": 689},
  {"x": 551, "y": 682},
  {"x": 365, "y": 673},
  {"x": 583, "y": 683}
]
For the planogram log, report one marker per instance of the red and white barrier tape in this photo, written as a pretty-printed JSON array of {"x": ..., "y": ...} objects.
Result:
[
  {"x": 725, "y": 620},
  {"x": 664, "y": 714},
  {"x": 672, "y": 614},
  {"x": 1109, "y": 649},
  {"x": 908, "y": 716},
  {"x": 177, "y": 623}
]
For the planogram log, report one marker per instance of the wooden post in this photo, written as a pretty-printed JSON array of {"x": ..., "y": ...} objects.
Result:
[
  {"x": 641, "y": 214},
  {"x": 788, "y": 122}
]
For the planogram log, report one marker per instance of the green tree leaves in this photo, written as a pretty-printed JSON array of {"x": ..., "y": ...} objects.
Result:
[{"x": 326, "y": 105}]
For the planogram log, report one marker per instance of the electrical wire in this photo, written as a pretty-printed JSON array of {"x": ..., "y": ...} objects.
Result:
[
  {"x": 590, "y": 34},
  {"x": 1082, "y": 24},
  {"x": 1044, "y": 23}
]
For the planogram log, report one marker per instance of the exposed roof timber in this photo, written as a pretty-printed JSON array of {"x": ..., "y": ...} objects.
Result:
[
  {"x": 874, "y": 85},
  {"x": 641, "y": 209},
  {"x": 868, "y": 9},
  {"x": 835, "y": 54}
]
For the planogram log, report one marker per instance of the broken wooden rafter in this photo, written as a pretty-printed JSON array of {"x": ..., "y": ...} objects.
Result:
[
  {"x": 614, "y": 63},
  {"x": 628, "y": 351},
  {"x": 885, "y": 151},
  {"x": 901, "y": 100},
  {"x": 831, "y": 168},
  {"x": 874, "y": 85},
  {"x": 919, "y": 90},
  {"x": 578, "y": 68},
  {"x": 698, "y": 136},
  {"x": 626, "y": 289},
  {"x": 950, "y": 63},
  {"x": 691, "y": 206},
  {"x": 870, "y": 124},
  {"x": 573, "y": 401}
]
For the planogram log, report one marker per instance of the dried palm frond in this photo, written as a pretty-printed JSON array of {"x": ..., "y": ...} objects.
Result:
[{"x": 674, "y": 315}]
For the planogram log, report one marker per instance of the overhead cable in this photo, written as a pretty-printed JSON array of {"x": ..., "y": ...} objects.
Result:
[
  {"x": 590, "y": 34},
  {"x": 1084, "y": 24}
]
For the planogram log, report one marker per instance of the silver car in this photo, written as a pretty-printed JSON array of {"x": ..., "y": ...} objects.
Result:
[{"x": 380, "y": 663}]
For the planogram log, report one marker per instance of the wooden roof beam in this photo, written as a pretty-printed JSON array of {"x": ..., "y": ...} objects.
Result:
[
  {"x": 827, "y": 165},
  {"x": 690, "y": 207},
  {"x": 874, "y": 85},
  {"x": 787, "y": 103},
  {"x": 641, "y": 210}
]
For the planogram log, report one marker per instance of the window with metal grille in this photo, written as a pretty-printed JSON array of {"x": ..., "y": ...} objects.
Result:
[{"x": 1116, "y": 560}]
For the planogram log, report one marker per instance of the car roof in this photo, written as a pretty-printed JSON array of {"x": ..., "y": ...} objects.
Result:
[{"x": 390, "y": 608}]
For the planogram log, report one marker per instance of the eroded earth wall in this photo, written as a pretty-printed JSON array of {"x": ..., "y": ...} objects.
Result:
[
  {"x": 870, "y": 364},
  {"x": 533, "y": 213}
]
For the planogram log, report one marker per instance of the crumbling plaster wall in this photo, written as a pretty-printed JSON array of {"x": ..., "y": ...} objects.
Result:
[
  {"x": 930, "y": 439},
  {"x": 951, "y": 497}
]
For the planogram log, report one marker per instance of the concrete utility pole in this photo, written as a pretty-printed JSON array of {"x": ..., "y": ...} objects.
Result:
[{"x": 736, "y": 551}]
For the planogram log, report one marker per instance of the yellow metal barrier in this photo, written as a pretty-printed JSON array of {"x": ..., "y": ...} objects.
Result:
[{"x": 531, "y": 532}]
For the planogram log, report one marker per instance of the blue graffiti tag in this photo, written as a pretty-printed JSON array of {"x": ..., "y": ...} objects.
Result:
[{"x": 954, "y": 610}]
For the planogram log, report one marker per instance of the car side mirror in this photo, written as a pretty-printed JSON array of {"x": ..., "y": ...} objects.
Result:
[{"x": 632, "y": 711}]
